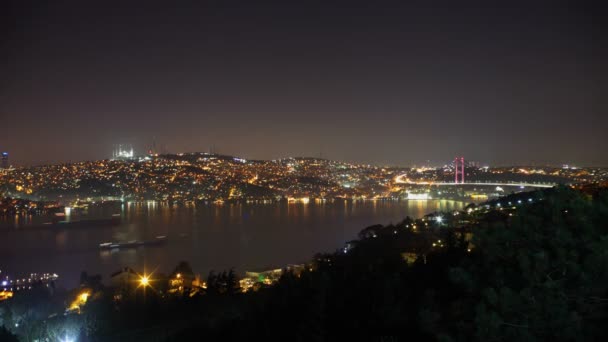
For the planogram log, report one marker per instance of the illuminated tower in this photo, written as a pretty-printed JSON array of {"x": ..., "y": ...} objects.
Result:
[
  {"x": 459, "y": 169},
  {"x": 5, "y": 160},
  {"x": 456, "y": 170},
  {"x": 462, "y": 168}
]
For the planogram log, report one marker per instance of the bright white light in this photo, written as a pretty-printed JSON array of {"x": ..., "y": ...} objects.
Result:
[
  {"x": 126, "y": 154},
  {"x": 4, "y": 283},
  {"x": 439, "y": 219},
  {"x": 67, "y": 339}
]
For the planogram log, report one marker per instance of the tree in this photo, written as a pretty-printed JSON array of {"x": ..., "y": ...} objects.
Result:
[
  {"x": 371, "y": 231},
  {"x": 93, "y": 281},
  {"x": 183, "y": 268},
  {"x": 232, "y": 283},
  {"x": 212, "y": 283},
  {"x": 7, "y": 336},
  {"x": 545, "y": 275}
]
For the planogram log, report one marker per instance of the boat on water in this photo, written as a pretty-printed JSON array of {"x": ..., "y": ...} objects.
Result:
[
  {"x": 133, "y": 243},
  {"x": 60, "y": 221}
]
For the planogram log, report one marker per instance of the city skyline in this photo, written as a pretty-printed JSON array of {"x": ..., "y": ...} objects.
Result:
[
  {"x": 397, "y": 84},
  {"x": 128, "y": 152},
  {"x": 217, "y": 178}
]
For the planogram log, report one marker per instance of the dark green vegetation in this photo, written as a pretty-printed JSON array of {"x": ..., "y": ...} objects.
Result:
[
  {"x": 7, "y": 336},
  {"x": 538, "y": 272}
]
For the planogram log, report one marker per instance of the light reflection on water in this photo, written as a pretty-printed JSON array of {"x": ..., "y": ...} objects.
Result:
[{"x": 244, "y": 236}]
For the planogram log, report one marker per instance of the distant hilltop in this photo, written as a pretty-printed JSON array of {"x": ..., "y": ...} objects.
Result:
[{"x": 201, "y": 176}]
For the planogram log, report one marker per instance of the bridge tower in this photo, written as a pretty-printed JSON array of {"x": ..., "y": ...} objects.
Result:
[
  {"x": 459, "y": 170},
  {"x": 462, "y": 168}
]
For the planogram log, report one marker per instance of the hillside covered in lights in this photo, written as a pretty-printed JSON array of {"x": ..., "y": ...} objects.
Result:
[{"x": 211, "y": 177}]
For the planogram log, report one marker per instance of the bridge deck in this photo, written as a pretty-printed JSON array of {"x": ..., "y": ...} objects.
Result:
[{"x": 530, "y": 185}]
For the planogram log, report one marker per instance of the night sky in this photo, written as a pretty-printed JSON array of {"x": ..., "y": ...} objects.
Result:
[{"x": 383, "y": 82}]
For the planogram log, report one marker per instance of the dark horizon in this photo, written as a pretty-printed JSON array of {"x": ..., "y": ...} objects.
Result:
[{"x": 385, "y": 84}]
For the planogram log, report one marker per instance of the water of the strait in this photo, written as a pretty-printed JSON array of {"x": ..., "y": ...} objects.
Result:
[{"x": 209, "y": 237}]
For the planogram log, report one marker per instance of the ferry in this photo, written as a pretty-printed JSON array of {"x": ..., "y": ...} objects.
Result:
[
  {"x": 133, "y": 243},
  {"x": 59, "y": 221}
]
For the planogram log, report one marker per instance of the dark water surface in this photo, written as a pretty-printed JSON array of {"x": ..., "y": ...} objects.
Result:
[{"x": 210, "y": 237}]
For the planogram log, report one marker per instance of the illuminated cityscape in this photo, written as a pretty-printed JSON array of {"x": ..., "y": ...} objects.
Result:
[
  {"x": 211, "y": 177},
  {"x": 303, "y": 171}
]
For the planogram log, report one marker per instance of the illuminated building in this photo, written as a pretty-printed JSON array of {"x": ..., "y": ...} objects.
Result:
[
  {"x": 5, "y": 164},
  {"x": 182, "y": 282},
  {"x": 418, "y": 196},
  {"x": 79, "y": 301},
  {"x": 4, "y": 295},
  {"x": 119, "y": 153}
]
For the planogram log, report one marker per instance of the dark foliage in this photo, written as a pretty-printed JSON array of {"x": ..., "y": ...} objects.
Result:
[{"x": 7, "y": 336}]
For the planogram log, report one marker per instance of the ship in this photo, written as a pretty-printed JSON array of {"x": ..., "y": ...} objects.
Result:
[
  {"x": 59, "y": 221},
  {"x": 134, "y": 243}
]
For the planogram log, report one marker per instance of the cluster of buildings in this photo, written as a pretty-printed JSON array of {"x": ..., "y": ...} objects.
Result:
[
  {"x": 8, "y": 285},
  {"x": 18, "y": 206},
  {"x": 197, "y": 176},
  {"x": 182, "y": 281},
  {"x": 213, "y": 177}
]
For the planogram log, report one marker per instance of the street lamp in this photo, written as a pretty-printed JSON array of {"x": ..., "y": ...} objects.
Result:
[{"x": 144, "y": 281}]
